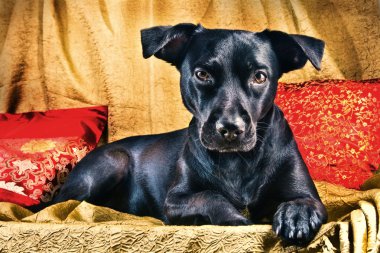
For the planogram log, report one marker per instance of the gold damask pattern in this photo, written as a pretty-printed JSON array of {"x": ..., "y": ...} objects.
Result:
[
  {"x": 337, "y": 127},
  {"x": 38, "y": 167}
]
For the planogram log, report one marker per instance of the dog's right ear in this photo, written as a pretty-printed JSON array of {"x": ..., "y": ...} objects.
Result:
[
  {"x": 167, "y": 42},
  {"x": 294, "y": 50}
]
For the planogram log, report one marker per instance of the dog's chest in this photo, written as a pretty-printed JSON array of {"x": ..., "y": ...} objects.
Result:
[{"x": 238, "y": 177}]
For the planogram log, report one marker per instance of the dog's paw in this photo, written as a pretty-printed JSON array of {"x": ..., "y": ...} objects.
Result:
[{"x": 297, "y": 221}]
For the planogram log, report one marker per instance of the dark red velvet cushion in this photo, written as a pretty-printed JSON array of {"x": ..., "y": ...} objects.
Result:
[
  {"x": 337, "y": 127},
  {"x": 39, "y": 149}
]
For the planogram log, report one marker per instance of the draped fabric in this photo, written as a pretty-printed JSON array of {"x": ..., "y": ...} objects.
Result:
[{"x": 68, "y": 53}]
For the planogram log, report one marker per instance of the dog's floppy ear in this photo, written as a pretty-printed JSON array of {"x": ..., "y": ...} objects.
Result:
[
  {"x": 167, "y": 42},
  {"x": 294, "y": 50}
]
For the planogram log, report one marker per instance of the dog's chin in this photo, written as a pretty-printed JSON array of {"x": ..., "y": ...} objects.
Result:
[{"x": 229, "y": 148}]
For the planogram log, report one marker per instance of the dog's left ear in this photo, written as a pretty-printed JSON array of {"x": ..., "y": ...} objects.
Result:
[
  {"x": 167, "y": 42},
  {"x": 294, "y": 50}
]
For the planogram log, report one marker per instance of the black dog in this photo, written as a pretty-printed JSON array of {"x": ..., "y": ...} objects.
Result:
[{"x": 238, "y": 151}]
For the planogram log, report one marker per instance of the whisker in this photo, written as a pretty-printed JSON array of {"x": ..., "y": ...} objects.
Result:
[
  {"x": 219, "y": 165},
  {"x": 263, "y": 128},
  {"x": 264, "y": 123},
  {"x": 243, "y": 158}
]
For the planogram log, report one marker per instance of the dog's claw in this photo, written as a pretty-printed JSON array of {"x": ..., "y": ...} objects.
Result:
[
  {"x": 278, "y": 229},
  {"x": 299, "y": 234},
  {"x": 313, "y": 225}
]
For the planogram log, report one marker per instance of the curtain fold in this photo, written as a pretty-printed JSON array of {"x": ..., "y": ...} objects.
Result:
[{"x": 68, "y": 53}]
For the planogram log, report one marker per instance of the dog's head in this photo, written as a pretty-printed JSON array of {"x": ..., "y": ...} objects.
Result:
[{"x": 229, "y": 77}]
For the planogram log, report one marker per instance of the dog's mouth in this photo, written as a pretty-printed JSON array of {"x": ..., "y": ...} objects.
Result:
[
  {"x": 244, "y": 147},
  {"x": 215, "y": 143}
]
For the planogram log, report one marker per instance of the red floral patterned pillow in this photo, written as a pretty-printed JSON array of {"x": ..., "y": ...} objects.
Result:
[
  {"x": 337, "y": 127},
  {"x": 39, "y": 149}
]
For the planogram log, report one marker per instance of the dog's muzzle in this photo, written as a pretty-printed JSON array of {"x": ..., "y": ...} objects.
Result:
[{"x": 228, "y": 136}]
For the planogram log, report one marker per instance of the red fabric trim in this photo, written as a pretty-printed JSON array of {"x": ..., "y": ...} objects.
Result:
[{"x": 8, "y": 196}]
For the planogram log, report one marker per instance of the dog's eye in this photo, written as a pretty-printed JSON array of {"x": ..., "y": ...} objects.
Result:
[
  {"x": 260, "y": 77},
  {"x": 202, "y": 75}
]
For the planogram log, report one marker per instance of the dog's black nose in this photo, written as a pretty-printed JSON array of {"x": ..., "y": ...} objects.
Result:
[{"x": 230, "y": 130}]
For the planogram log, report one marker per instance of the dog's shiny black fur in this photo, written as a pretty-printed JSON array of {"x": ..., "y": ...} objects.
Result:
[{"x": 238, "y": 151}]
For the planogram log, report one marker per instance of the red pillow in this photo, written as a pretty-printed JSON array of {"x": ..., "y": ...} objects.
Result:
[
  {"x": 337, "y": 127},
  {"x": 39, "y": 149}
]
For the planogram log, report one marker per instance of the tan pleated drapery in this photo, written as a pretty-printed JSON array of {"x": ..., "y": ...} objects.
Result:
[{"x": 68, "y": 53}]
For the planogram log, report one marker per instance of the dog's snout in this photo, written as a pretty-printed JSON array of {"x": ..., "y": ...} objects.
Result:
[{"x": 230, "y": 130}]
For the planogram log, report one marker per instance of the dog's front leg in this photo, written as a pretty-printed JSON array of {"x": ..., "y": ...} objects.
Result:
[
  {"x": 206, "y": 207},
  {"x": 300, "y": 213},
  {"x": 188, "y": 203}
]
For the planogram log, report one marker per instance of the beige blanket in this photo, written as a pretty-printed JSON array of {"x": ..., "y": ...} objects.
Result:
[{"x": 81, "y": 227}]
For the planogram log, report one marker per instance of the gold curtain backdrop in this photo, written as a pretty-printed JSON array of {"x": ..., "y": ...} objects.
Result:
[{"x": 69, "y": 53}]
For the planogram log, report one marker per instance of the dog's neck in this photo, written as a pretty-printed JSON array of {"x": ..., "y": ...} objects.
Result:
[{"x": 219, "y": 168}]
